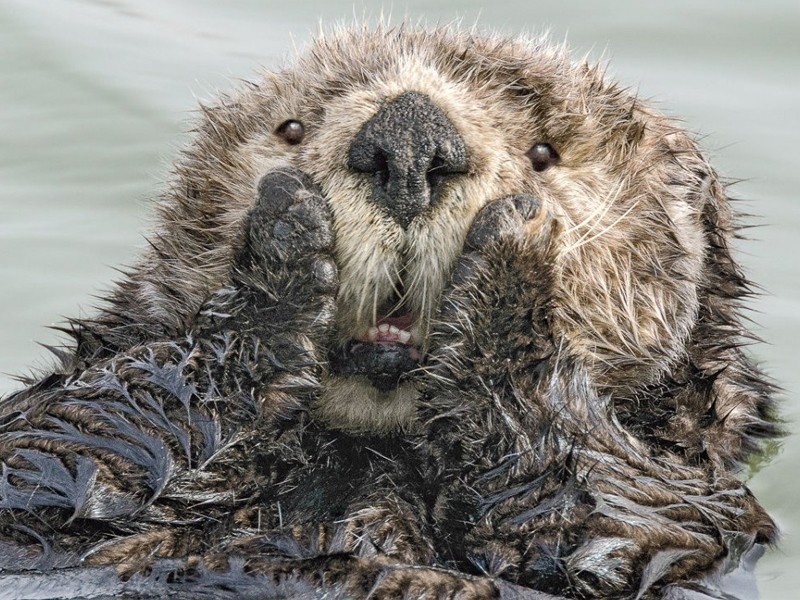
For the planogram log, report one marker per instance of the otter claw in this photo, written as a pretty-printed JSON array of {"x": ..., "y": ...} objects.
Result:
[{"x": 501, "y": 218}]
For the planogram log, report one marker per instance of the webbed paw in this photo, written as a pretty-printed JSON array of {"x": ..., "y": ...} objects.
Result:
[
  {"x": 493, "y": 323},
  {"x": 290, "y": 229},
  {"x": 284, "y": 281},
  {"x": 502, "y": 219},
  {"x": 495, "y": 244},
  {"x": 501, "y": 252}
]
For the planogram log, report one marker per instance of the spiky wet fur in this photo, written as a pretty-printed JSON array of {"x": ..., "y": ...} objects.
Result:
[{"x": 585, "y": 403}]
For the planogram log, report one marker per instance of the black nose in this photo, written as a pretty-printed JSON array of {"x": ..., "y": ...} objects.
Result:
[{"x": 410, "y": 147}]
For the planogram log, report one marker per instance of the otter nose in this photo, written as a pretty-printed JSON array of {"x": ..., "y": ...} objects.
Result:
[{"x": 410, "y": 147}]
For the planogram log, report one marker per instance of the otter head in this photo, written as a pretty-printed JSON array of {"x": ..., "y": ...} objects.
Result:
[{"x": 409, "y": 134}]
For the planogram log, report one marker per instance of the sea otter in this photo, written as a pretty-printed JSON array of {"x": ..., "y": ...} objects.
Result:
[{"x": 427, "y": 314}]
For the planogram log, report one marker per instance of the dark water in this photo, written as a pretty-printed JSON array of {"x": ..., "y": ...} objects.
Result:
[{"x": 95, "y": 96}]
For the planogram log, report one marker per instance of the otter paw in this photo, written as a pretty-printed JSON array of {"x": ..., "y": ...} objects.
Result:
[
  {"x": 502, "y": 219},
  {"x": 290, "y": 223},
  {"x": 497, "y": 230},
  {"x": 494, "y": 303}
]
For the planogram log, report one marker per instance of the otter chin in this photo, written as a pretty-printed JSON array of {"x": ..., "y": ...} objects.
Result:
[{"x": 368, "y": 389}]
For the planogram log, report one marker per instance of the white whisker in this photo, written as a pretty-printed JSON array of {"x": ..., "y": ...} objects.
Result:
[{"x": 585, "y": 240}]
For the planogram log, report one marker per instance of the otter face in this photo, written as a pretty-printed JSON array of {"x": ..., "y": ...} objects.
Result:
[
  {"x": 409, "y": 134},
  {"x": 406, "y": 163}
]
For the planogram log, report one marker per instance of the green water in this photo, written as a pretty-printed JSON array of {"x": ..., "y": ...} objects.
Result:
[{"x": 95, "y": 97}]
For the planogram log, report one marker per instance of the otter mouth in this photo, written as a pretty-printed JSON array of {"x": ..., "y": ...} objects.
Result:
[{"x": 384, "y": 353}]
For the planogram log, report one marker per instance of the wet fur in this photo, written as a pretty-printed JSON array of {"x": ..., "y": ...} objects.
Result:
[{"x": 585, "y": 405}]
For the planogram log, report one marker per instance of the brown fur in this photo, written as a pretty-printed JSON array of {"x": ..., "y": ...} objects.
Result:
[{"x": 585, "y": 403}]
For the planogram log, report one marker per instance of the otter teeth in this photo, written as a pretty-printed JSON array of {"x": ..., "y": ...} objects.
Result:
[{"x": 386, "y": 333}]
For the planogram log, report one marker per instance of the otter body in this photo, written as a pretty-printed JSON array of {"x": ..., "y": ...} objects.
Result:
[{"x": 429, "y": 314}]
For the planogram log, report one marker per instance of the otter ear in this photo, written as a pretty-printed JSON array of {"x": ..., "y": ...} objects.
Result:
[{"x": 729, "y": 396}]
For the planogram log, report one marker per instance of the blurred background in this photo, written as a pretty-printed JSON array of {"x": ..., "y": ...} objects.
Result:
[{"x": 96, "y": 97}]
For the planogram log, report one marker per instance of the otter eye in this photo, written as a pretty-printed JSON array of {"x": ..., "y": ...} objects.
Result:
[
  {"x": 291, "y": 131},
  {"x": 542, "y": 156}
]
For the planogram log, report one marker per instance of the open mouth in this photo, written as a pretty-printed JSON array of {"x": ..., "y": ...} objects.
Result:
[{"x": 385, "y": 352}]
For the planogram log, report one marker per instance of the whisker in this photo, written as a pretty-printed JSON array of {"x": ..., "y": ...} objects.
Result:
[
  {"x": 375, "y": 305},
  {"x": 393, "y": 279},
  {"x": 585, "y": 240},
  {"x": 426, "y": 310},
  {"x": 597, "y": 215}
]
